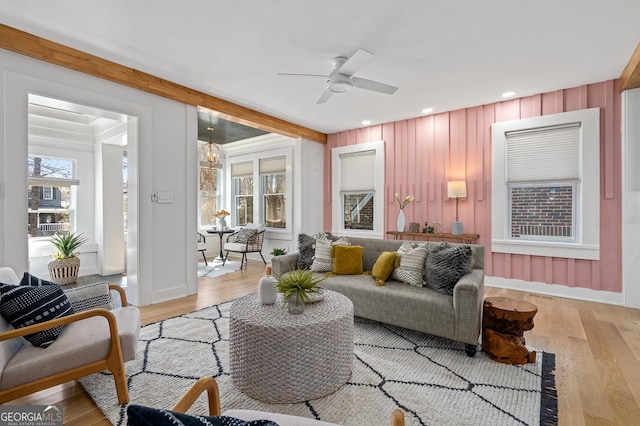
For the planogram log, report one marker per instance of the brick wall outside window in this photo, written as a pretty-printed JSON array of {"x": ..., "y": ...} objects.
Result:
[
  {"x": 542, "y": 211},
  {"x": 353, "y": 220}
]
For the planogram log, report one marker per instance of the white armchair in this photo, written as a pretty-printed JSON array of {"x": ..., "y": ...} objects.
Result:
[{"x": 247, "y": 239}]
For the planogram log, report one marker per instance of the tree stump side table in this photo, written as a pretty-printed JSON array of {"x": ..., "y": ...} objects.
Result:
[{"x": 504, "y": 322}]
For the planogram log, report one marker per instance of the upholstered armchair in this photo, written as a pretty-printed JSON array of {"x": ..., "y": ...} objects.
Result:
[
  {"x": 90, "y": 341},
  {"x": 247, "y": 239},
  {"x": 202, "y": 246}
]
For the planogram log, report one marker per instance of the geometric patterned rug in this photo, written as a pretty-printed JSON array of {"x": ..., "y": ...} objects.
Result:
[{"x": 430, "y": 379}]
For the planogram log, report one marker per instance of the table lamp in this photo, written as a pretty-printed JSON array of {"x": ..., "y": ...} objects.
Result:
[{"x": 457, "y": 189}]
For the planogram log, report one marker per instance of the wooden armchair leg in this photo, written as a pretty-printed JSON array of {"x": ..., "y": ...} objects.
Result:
[
  {"x": 120, "y": 380},
  {"x": 207, "y": 384},
  {"x": 397, "y": 418}
]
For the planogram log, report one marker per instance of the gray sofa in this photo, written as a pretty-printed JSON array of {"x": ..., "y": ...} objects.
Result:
[{"x": 456, "y": 317}]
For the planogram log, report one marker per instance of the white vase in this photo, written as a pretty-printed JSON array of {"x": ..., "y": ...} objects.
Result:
[
  {"x": 267, "y": 290},
  {"x": 401, "y": 220},
  {"x": 222, "y": 223}
]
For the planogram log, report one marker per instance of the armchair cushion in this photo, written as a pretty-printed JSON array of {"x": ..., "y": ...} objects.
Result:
[
  {"x": 138, "y": 415},
  {"x": 26, "y": 305}
]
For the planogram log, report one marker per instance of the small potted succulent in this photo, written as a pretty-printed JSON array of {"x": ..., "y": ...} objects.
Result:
[
  {"x": 65, "y": 264},
  {"x": 296, "y": 286}
]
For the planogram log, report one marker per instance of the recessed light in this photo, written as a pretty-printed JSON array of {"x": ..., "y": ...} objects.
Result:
[
  {"x": 366, "y": 122},
  {"x": 508, "y": 94},
  {"x": 427, "y": 110}
]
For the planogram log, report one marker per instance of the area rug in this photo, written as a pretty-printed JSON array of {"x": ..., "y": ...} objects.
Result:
[
  {"x": 215, "y": 268},
  {"x": 431, "y": 379}
]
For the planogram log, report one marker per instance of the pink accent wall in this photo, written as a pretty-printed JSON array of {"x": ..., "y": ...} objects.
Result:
[{"x": 423, "y": 153}]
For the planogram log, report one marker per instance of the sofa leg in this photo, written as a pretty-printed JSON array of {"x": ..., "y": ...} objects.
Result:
[{"x": 470, "y": 350}]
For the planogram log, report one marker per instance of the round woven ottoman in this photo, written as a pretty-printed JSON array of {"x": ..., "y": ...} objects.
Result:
[{"x": 283, "y": 358}]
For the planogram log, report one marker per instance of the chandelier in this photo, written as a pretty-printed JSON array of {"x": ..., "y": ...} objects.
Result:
[{"x": 212, "y": 151}]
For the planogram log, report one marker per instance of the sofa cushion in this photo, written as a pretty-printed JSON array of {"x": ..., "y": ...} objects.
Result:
[
  {"x": 26, "y": 305},
  {"x": 138, "y": 415},
  {"x": 347, "y": 260},
  {"x": 322, "y": 261},
  {"x": 412, "y": 262},
  {"x": 383, "y": 267},
  {"x": 446, "y": 264}
]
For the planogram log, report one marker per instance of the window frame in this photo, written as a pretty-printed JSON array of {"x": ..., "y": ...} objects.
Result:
[
  {"x": 337, "y": 205},
  {"x": 587, "y": 204}
]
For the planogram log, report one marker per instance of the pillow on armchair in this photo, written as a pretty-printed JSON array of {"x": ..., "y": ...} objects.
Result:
[
  {"x": 244, "y": 235},
  {"x": 138, "y": 415}
]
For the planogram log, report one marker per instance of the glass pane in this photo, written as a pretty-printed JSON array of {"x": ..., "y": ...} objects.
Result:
[
  {"x": 50, "y": 167},
  {"x": 244, "y": 209},
  {"x": 543, "y": 212},
  {"x": 208, "y": 180},
  {"x": 274, "y": 189},
  {"x": 48, "y": 215},
  {"x": 358, "y": 210},
  {"x": 208, "y": 206}
]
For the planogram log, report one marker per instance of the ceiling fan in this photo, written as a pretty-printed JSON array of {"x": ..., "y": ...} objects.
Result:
[{"x": 342, "y": 78}]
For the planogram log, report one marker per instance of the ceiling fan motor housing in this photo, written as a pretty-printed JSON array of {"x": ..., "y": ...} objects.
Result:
[{"x": 339, "y": 83}]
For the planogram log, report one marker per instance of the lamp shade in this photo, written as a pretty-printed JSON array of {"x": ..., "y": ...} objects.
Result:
[{"x": 456, "y": 188}]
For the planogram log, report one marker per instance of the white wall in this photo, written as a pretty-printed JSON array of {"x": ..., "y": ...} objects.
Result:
[
  {"x": 164, "y": 242},
  {"x": 631, "y": 198}
]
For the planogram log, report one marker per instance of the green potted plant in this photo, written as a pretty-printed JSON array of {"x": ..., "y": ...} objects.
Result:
[
  {"x": 64, "y": 265},
  {"x": 278, "y": 252},
  {"x": 296, "y": 286}
]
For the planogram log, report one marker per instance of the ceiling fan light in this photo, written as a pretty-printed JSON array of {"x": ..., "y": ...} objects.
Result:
[{"x": 340, "y": 86}]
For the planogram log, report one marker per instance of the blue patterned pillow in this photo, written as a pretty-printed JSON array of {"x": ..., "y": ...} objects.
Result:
[
  {"x": 28, "y": 279},
  {"x": 138, "y": 415},
  {"x": 23, "y": 305}
]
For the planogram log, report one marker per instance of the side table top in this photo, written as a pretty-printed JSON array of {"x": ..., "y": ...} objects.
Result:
[
  {"x": 249, "y": 309},
  {"x": 510, "y": 305}
]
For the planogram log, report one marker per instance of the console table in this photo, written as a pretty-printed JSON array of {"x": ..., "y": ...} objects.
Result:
[{"x": 464, "y": 238}]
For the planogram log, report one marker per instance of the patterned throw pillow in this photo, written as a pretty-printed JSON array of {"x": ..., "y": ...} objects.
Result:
[
  {"x": 138, "y": 415},
  {"x": 28, "y": 279},
  {"x": 446, "y": 265},
  {"x": 23, "y": 305},
  {"x": 89, "y": 296},
  {"x": 412, "y": 261},
  {"x": 244, "y": 235},
  {"x": 306, "y": 250},
  {"x": 322, "y": 261}
]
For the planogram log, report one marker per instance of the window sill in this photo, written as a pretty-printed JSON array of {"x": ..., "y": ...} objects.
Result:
[{"x": 548, "y": 249}]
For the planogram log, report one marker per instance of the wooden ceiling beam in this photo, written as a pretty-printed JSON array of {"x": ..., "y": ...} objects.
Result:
[
  {"x": 630, "y": 77},
  {"x": 45, "y": 50}
]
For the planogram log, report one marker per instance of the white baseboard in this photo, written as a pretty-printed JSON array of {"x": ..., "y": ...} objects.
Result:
[
  {"x": 169, "y": 294},
  {"x": 578, "y": 293}
]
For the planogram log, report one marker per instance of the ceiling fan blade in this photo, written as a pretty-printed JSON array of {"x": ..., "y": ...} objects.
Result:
[
  {"x": 376, "y": 86},
  {"x": 355, "y": 62},
  {"x": 286, "y": 74},
  {"x": 325, "y": 97}
]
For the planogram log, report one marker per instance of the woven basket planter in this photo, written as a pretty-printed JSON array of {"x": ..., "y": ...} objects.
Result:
[{"x": 64, "y": 271}]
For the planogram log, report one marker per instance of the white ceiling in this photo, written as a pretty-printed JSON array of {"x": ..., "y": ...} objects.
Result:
[{"x": 444, "y": 54}]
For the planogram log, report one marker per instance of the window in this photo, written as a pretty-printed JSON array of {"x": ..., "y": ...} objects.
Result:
[
  {"x": 546, "y": 185},
  {"x": 208, "y": 195},
  {"x": 357, "y": 188},
  {"x": 242, "y": 181},
  {"x": 49, "y": 197},
  {"x": 273, "y": 181}
]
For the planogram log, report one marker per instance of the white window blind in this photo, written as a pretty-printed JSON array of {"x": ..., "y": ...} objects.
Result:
[
  {"x": 544, "y": 154},
  {"x": 273, "y": 165},
  {"x": 52, "y": 181},
  {"x": 357, "y": 171},
  {"x": 242, "y": 169}
]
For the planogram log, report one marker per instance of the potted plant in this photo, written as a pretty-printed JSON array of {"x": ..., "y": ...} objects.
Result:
[
  {"x": 64, "y": 265},
  {"x": 296, "y": 286},
  {"x": 278, "y": 252}
]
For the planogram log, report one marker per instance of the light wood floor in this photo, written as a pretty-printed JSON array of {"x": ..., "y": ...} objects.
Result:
[{"x": 597, "y": 351}]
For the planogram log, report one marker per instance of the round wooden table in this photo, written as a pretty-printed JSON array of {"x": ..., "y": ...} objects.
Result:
[
  {"x": 283, "y": 358},
  {"x": 504, "y": 322}
]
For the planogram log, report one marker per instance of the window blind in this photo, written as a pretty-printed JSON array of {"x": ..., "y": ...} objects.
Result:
[
  {"x": 273, "y": 165},
  {"x": 357, "y": 171},
  {"x": 242, "y": 169},
  {"x": 543, "y": 154},
  {"x": 52, "y": 181}
]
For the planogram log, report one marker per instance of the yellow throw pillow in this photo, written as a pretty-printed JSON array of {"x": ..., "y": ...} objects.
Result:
[
  {"x": 347, "y": 260},
  {"x": 384, "y": 266}
]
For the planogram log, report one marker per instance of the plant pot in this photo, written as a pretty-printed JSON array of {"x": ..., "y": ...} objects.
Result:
[
  {"x": 64, "y": 271},
  {"x": 295, "y": 305}
]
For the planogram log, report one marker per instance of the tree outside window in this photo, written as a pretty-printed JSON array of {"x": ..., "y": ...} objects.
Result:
[{"x": 273, "y": 190}]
